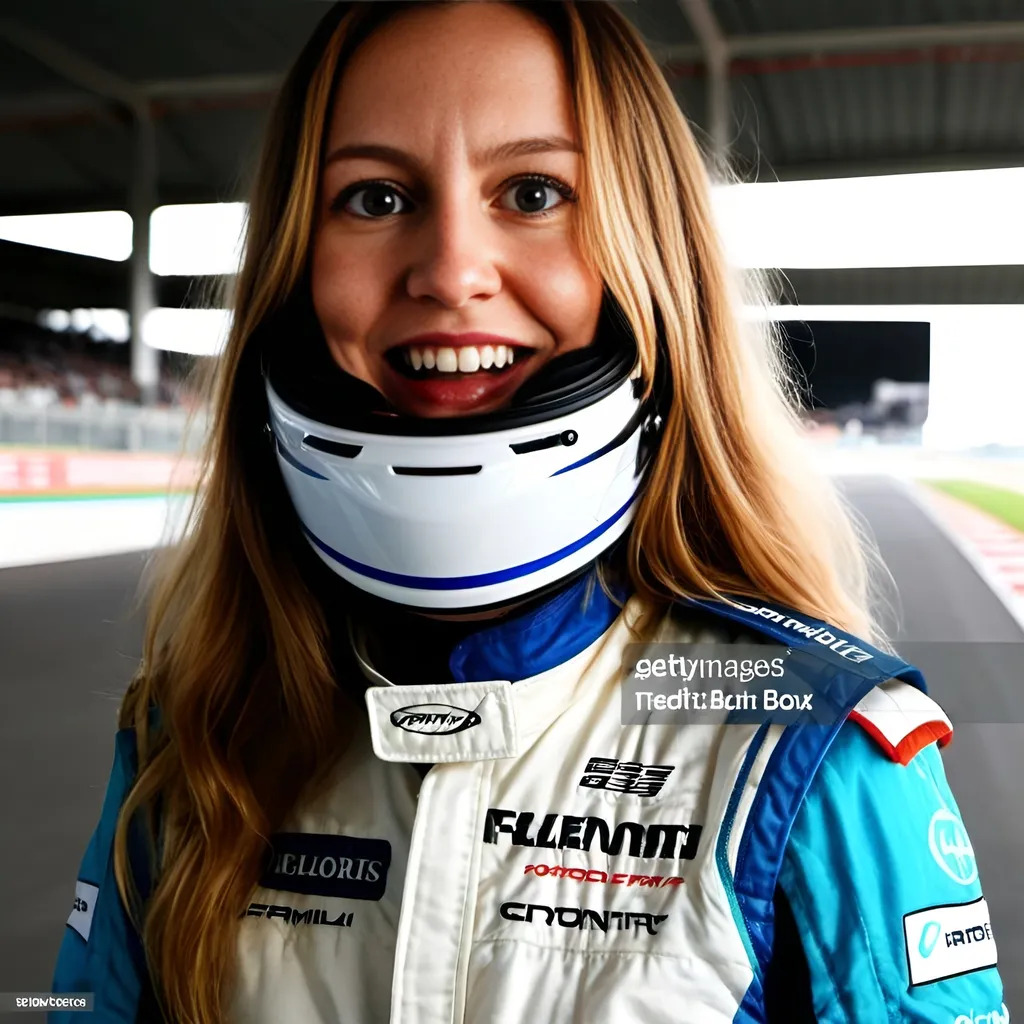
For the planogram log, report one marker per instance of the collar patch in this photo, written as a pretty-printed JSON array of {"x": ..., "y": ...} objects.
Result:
[{"x": 443, "y": 723}]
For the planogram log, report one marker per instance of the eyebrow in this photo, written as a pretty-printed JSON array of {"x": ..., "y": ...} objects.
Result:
[{"x": 502, "y": 151}]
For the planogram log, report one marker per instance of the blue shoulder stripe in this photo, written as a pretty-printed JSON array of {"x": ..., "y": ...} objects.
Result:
[
  {"x": 843, "y": 668},
  {"x": 831, "y": 644}
]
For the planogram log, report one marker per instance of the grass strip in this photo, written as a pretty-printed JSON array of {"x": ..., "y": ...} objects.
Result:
[{"x": 996, "y": 501}]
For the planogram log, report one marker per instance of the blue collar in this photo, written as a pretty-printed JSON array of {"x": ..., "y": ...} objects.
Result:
[{"x": 547, "y": 636}]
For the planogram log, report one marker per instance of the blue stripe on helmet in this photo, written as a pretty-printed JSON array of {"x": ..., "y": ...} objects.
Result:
[{"x": 484, "y": 579}]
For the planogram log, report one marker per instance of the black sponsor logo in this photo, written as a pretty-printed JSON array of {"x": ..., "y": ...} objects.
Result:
[
  {"x": 434, "y": 719},
  {"x": 318, "y": 864},
  {"x": 294, "y": 916},
  {"x": 625, "y": 776},
  {"x": 572, "y": 832},
  {"x": 965, "y": 936},
  {"x": 80, "y": 905},
  {"x": 581, "y": 918}
]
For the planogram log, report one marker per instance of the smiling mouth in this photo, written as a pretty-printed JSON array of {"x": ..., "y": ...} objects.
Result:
[{"x": 423, "y": 362}]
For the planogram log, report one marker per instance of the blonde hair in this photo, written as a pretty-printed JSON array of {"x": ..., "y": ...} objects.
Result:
[{"x": 237, "y": 654}]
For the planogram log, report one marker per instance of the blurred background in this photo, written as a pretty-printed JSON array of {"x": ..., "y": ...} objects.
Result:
[{"x": 871, "y": 152}]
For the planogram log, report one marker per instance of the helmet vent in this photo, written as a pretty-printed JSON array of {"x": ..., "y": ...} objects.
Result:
[
  {"x": 435, "y": 470},
  {"x": 322, "y": 444}
]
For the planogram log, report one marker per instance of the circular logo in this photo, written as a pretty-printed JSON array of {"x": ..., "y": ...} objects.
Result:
[{"x": 951, "y": 847}]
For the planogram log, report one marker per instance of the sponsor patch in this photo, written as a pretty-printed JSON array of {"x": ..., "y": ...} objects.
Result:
[
  {"x": 430, "y": 724},
  {"x": 85, "y": 905},
  {"x": 577, "y": 832},
  {"x": 582, "y": 918},
  {"x": 830, "y": 637},
  {"x": 295, "y": 916},
  {"x": 603, "y": 877},
  {"x": 434, "y": 719},
  {"x": 946, "y": 941},
  {"x": 625, "y": 776},
  {"x": 319, "y": 864}
]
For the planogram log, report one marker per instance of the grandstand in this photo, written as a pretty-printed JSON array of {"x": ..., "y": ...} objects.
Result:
[{"x": 40, "y": 367}]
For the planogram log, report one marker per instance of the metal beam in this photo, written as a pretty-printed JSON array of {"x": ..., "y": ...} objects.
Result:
[
  {"x": 212, "y": 86},
  {"x": 60, "y": 105},
  {"x": 844, "y": 40},
  {"x": 72, "y": 66},
  {"x": 57, "y": 106},
  {"x": 886, "y": 165},
  {"x": 906, "y": 286},
  {"x": 143, "y": 190},
  {"x": 716, "y": 49}
]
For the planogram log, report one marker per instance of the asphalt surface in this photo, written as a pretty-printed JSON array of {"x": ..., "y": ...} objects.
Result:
[
  {"x": 69, "y": 643},
  {"x": 68, "y": 648}
]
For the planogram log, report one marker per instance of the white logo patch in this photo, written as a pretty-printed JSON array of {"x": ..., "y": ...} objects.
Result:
[
  {"x": 85, "y": 904},
  {"x": 443, "y": 722},
  {"x": 951, "y": 847},
  {"x": 945, "y": 941}
]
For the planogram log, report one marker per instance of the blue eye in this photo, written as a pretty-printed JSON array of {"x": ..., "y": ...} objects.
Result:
[
  {"x": 374, "y": 200},
  {"x": 531, "y": 194}
]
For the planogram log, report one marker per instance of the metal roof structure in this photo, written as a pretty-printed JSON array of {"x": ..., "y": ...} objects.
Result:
[
  {"x": 852, "y": 86},
  {"x": 813, "y": 88},
  {"x": 120, "y": 104},
  {"x": 75, "y": 75}
]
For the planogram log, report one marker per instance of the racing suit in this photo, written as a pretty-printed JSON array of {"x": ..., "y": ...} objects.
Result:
[{"x": 501, "y": 848}]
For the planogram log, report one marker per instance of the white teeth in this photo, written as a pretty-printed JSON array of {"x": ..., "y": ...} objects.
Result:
[
  {"x": 447, "y": 360},
  {"x": 469, "y": 359},
  {"x": 465, "y": 359}
]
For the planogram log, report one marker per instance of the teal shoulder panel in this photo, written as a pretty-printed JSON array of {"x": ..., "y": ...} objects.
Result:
[
  {"x": 101, "y": 952},
  {"x": 884, "y": 885}
]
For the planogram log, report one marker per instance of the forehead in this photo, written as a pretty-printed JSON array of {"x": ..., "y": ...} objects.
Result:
[{"x": 482, "y": 71}]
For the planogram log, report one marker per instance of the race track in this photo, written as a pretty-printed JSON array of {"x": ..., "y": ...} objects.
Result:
[{"x": 69, "y": 646}]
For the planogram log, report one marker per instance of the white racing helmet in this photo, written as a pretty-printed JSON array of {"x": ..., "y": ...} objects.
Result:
[{"x": 463, "y": 513}]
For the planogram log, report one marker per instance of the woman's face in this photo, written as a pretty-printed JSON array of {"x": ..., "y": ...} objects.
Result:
[{"x": 444, "y": 269}]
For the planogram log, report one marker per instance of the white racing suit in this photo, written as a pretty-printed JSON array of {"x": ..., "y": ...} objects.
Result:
[{"x": 554, "y": 865}]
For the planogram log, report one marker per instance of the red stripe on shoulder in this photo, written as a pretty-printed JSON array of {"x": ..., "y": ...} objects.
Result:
[{"x": 910, "y": 745}]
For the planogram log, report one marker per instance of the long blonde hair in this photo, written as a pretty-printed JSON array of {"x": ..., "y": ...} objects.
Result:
[{"x": 237, "y": 655}]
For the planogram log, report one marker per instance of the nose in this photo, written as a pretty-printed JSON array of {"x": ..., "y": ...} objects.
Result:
[{"x": 455, "y": 259}]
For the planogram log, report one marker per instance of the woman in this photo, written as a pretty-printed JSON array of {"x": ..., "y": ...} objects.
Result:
[{"x": 483, "y": 385}]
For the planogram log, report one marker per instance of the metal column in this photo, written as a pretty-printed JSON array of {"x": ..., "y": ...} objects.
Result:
[
  {"x": 715, "y": 48},
  {"x": 142, "y": 198}
]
